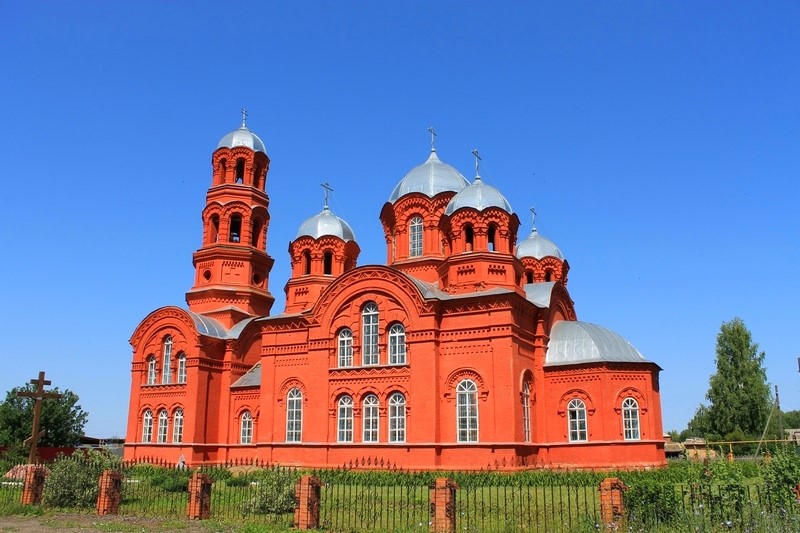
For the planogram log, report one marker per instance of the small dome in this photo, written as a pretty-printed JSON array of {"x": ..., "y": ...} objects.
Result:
[
  {"x": 242, "y": 137},
  {"x": 430, "y": 178},
  {"x": 573, "y": 342},
  {"x": 538, "y": 247},
  {"x": 479, "y": 196},
  {"x": 326, "y": 223}
]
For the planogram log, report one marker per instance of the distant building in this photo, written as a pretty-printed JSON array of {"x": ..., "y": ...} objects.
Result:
[{"x": 463, "y": 351}]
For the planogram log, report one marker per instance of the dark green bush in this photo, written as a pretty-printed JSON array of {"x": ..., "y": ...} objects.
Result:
[
  {"x": 651, "y": 502},
  {"x": 171, "y": 479},
  {"x": 274, "y": 492},
  {"x": 73, "y": 481}
]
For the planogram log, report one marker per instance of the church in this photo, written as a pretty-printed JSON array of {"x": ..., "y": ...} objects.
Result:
[{"x": 462, "y": 352}]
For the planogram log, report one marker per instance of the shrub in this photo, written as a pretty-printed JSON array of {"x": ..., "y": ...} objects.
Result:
[
  {"x": 171, "y": 479},
  {"x": 73, "y": 481},
  {"x": 781, "y": 474},
  {"x": 274, "y": 493},
  {"x": 651, "y": 502}
]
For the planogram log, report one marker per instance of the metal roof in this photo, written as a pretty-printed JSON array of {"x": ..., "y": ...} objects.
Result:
[
  {"x": 574, "y": 342},
  {"x": 538, "y": 247},
  {"x": 242, "y": 137},
  {"x": 539, "y": 294},
  {"x": 208, "y": 326},
  {"x": 251, "y": 379},
  {"x": 326, "y": 223},
  {"x": 478, "y": 196},
  {"x": 430, "y": 178}
]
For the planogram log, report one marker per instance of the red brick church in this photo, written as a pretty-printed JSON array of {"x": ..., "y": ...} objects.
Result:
[{"x": 463, "y": 351}]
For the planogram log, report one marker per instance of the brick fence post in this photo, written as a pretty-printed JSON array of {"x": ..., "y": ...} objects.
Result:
[
  {"x": 443, "y": 505},
  {"x": 612, "y": 505},
  {"x": 199, "y": 507},
  {"x": 110, "y": 493},
  {"x": 306, "y": 511},
  {"x": 33, "y": 484}
]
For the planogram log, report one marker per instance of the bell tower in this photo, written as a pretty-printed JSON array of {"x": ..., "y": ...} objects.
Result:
[{"x": 232, "y": 266}]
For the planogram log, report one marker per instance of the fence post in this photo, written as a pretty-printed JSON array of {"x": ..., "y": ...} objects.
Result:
[
  {"x": 443, "y": 505},
  {"x": 612, "y": 505},
  {"x": 110, "y": 493},
  {"x": 33, "y": 484},
  {"x": 306, "y": 511},
  {"x": 199, "y": 507}
]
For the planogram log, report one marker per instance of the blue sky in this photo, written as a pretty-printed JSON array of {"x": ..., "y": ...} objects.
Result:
[{"x": 658, "y": 141}]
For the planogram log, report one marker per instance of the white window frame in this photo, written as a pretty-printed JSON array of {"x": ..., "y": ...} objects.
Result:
[
  {"x": 177, "y": 426},
  {"x": 370, "y": 353},
  {"x": 246, "y": 428},
  {"x": 163, "y": 426},
  {"x": 147, "y": 426},
  {"x": 166, "y": 369},
  {"x": 467, "y": 411},
  {"x": 526, "y": 410},
  {"x": 415, "y": 228},
  {"x": 397, "y": 417},
  {"x": 181, "y": 368},
  {"x": 397, "y": 345},
  {"x": 630, "y": 419},
  {"x": 345, "y": 348},
  {"x": 344, "y": 419},
  {"x": 370, "y": 419},
  {"x": 152, "y": 369},
  {"x": 576, "y": 414},
  {"x": 294, "y": 415}
]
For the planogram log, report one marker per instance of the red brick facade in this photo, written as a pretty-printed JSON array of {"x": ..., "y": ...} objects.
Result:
[{"x": 437, "y": 360}]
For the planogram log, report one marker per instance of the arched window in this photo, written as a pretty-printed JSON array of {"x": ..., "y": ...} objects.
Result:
[
  {"x": 235, "y": 233},
  {"x": 246, "y": 429},
  {"x": 630, "y": 418},
  {"x": 306, "y": 262},
  {"x": 294, "y": 415},
  {"x": 369, "y": 342},
  {"x": 529, "y": 276},
  {"x": 240, "y": 171},
  {"x": 152, "y": 370},
  {"x": 327, "y": 263},
  {"x": 397, "y": 418},
  {"x": 467, "y": 411},
  {"x": 255, "y": 238},
  {"x": 415, "y": 237},
  {"x": 147, "y": 426},
  {"x": 345, "y": 348},
  {"x": 214, "y": 229},
  {"x": 166, "y": 369},
  {"x": 526, "y": 410},
  {"x": 345, "y": 419},
  {"x": 163, "y": 421},
  {"x": 177, "y": 426},
  {"x": 397, "y": 345},
  {"x": 469, "y": 237},
  {"x": 370, "y": 419},
  {"x": 181, "y": 367},
  {"x": 257, "y": 177},
  {"x": 548, "y": 275},
  {"x": 576, "y": 412},
  {"x": 492, "y": 236},
  {"x": 223, "y": 164}
]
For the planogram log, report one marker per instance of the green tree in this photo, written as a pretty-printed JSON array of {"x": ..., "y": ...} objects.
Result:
[
  {"x": 791, "y": 419},
  {"x": 62, "y": 418},
  {"x": 739, "y": 393}
]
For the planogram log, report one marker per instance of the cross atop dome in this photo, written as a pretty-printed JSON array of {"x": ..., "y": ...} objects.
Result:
[{"x": 244, "y": 117}]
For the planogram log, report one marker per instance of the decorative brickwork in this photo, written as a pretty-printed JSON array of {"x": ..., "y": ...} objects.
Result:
[
  {"x": 110, "y": 493},
  {"x": 443, "y": 505},
  {"x": 306, "y": 511},
  {"x": 199, "y": 507}
]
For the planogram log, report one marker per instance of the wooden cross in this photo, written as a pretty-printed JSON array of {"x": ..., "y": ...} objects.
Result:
[{"x": 38, "y": 395}]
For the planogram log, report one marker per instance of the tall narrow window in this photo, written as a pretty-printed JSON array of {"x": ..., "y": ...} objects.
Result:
[
  {"x": 397, "y": 418},
  {"x": 294, "y": 415},
  {"x": 492, "y": 237},
  {"x": 469, "y": 238},
  {"x": 327, "y": 263},
  {"x": 415, "y": 237},
  {"x": 548, "y": 275},
  {"x": 257, "y": 176},
  {"x": 526, "y": 410},
  {"x": 345, "y": 348},
  {"x": 246, "y": 429},
  {"x": 576, "y": 411},
  {"x": 529, "y": 276},
  {"x": 163, "y": 421},
  {"x": 397, "y": 345},
  {"x": 214, "y": 229},
  {"x": 147, "y": 426},
  {"x": 467, "y": 411},
  {"x": 256, "y": 239},
  {"x": 370, "y": 418},
  {"x": 181, "y": 367},
  {"x": 223, "y": 164},
  {"x": 152, "y": 370},
  {"x": 345, "y": 419},
  {"x": 235, "y": 233},
  {"x": 177, "y": 426},
  {"x": 307, "y": 262},
  {"x": 240, "y": 171},
  {"x": 369, "y": 339},
  {"x": 166, "y": 370},
  {"x": 630, "y": 418}
]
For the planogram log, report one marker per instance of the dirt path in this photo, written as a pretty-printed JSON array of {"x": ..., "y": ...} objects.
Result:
[{"x": 69, "y": 523}]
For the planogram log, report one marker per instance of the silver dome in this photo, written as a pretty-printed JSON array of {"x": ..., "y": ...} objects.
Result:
[
  {"x": 242, "y": 137},
  {"x": 326, "y": 223},
  {"x": 538, "y": 247},
  {"x": 479, "y": 196},
  {"x": 430, "y": 178},
  {"x": 573, "y": 342}
]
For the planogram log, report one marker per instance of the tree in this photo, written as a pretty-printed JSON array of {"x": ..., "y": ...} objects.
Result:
[
  {"x": 791, "y": 419},
  {"x": 62, "y": 418},
  {"x": 739, "y": 393}
]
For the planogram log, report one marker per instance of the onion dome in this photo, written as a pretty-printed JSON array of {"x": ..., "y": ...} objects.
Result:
[
  {"x": 242, "y": 137},
  {"x": 574, "y": 342},
  {"x": 430, "y": 178},
  {"x": 538, "y": 247},
  {"x": 478, "y": 196},
  {"x": 326, "y": 223}
]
